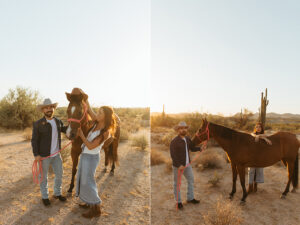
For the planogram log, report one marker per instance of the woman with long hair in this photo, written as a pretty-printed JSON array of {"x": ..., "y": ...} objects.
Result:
[
  {"x": 256, "y": 175},
  {"x": 86, "y": 188}
]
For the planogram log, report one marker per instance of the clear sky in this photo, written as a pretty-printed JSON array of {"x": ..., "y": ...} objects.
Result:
[
  {"x": 101, "y": 46},
  {"x": 218, "y": 56}
]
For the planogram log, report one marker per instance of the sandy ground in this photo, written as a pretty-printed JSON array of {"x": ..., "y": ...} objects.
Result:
[
  {"x": 125, "y": 196},
  {"x": 263, "y": 207}
]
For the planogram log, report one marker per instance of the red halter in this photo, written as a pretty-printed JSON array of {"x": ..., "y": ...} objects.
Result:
[
  {"x": 84, "y": 114},
  {"x": 206, "y": 131}
]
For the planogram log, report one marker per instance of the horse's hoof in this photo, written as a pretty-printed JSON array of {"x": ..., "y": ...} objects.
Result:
[
  {"x": 69, "y": 194},
  {"x": 111, "y": 173},
  {"x": 283, "y": 196},
  {"x": 243, "y": 202},
  {"x": 230, "y": 197},
  {"x": 294, "y": 190},
  {"x": 104, "y": 170}
]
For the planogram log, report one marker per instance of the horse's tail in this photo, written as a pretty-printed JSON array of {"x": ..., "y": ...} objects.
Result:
[
  {"x": 110, "y": 155},
  {"x": 295, "y": 173}
]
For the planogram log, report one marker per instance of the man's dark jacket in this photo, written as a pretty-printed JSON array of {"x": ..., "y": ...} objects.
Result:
[
  {"x": 42, "y": 136},
  {"x": 178, "y": 152}
]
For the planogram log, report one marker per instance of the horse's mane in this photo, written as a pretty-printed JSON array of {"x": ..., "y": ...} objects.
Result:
[{"x": 231, "y": 133}]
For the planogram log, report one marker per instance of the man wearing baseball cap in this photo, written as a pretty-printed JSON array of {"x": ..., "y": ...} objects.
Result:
[
  {"x": 46, "y": 141},
  {"x": 179, "y": 149}
]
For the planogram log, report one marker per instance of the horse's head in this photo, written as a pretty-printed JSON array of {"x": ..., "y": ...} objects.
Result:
[
  {"x": 202, "y": 134},
  {"x": 77, "y": 111}
]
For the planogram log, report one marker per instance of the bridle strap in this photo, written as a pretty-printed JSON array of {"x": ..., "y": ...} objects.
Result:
[
  {"x": 84, "y": 114},
  {"x": 206, "y": 131}
]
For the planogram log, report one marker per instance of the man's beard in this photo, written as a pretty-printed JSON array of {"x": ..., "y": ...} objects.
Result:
[
  {"x": 183, "y": 133},
  {"x": 48, "y": 114}
]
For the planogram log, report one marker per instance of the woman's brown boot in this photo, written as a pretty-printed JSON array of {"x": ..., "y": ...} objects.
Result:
[
  {"x": 97, "y": 210},
  {"x": 250, "y": 188},
  {"x": 90, "y": 213},
  {"x": 255, "y": 187}
]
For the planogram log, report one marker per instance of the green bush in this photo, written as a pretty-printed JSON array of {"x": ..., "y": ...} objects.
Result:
[{"x": 18, "y": 108}]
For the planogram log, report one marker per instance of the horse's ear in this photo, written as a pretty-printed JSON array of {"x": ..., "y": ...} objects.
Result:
[{"x": 68, "y": 96}]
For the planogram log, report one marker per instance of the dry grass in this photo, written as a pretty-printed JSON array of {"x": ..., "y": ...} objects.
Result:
[
  {"x": 167, "y": 138},
  {"x": 140, "y": 141},
  {"x": 27, "y": 134},
  {"x": 66, "y": 154},
  {"x": 209, "y": 160},
  {"x": 215, "y": 180},
  {"x": 224, "y": 213},
  {"x": 169, "y": 166},
  {"x": 157, "y": 157},
  {"x": 124, "y": 134}
]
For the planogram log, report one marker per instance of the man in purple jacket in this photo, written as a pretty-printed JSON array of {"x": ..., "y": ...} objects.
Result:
[{"x": 179, "y": 149}]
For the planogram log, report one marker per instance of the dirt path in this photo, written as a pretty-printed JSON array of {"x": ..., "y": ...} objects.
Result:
[
  {"x": 125, "y": 196},
  {"x": 264, "y": 207}
]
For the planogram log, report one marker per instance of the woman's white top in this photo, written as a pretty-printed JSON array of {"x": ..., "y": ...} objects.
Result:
[{"x": 91, "y": 136}]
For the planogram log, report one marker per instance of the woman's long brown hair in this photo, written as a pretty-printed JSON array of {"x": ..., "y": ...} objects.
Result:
[{"x": 109, "y": 120}]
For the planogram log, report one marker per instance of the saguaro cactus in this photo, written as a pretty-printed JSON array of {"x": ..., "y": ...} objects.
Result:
[{"x": 263, "y": 108}]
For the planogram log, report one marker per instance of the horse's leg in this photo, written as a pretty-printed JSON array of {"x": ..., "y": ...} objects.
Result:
[
  {"x": 112, "y": 149},
  {"x": 106, "y": 161},
  {"x": 112, "y": 168},
  {"x": 234, "y": 176},
  {"x": 295, "y": 174},
  {"x": 75, "y": 157},
  {"x": 241, "y": 171},
  {"x": 290, "y": 168}
]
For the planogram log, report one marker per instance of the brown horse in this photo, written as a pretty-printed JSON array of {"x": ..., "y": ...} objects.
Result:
[
  {"x": 77, "y": 117},
  {"x": 243, "y": 151}
]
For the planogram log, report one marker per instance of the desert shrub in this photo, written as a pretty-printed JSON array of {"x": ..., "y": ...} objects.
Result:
[
  {"x": 66, "y": 154},
  {"x": 224, "y": 213},
  {"x": 61, "y": 113},
  {"x": 157, "y": 157},
  {"x": 209, "y": 160},
  {"x": 27, "y": 134},
  {"x": 18, "y": 108},
  {"x": 169, "y": 166},
  {"x": 140, "y": 141},
  {"x": 215, "y": 179},
  {"x": 163, "y": 121},
  {"x": 167, "y": 138},
  {"x": 124, "y": 134}
]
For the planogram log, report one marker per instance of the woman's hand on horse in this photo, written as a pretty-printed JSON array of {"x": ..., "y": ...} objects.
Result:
[
  {"x": 38, "y": 158},
  {"x": 268, "y": 141}
]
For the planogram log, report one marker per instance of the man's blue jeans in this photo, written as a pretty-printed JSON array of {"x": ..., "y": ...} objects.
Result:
[
  {"x": 56, "y": 163},
  {"x": 188, "y": 174}
]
